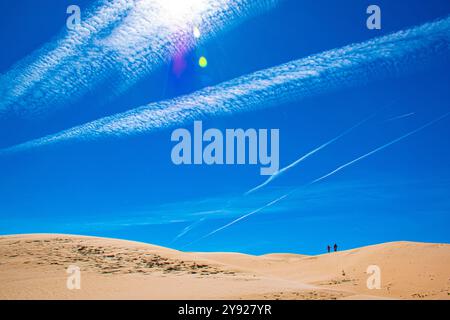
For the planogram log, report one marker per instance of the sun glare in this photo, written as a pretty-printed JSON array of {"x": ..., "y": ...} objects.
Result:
[{"x": 180, "y": 8}]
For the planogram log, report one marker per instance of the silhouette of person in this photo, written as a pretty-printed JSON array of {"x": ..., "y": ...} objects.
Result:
[
  {"x": 335, "y": 247},
  {"x": 328, "y": 248}
]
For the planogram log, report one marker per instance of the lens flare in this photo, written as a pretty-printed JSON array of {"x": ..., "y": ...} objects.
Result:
[
  {"x": 118, "y": 43},
  {"x": 203, "y": 62}
]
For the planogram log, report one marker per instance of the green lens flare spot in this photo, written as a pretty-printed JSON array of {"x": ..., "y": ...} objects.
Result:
[{"x": 203, "y": 62}]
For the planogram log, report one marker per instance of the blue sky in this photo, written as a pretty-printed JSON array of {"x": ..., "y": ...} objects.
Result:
[{"x": 129, "y": 188}]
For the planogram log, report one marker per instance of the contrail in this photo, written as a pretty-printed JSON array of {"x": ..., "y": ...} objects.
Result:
[
  {"x": 117, "y": 43},
  {"x": 353, "y": 65},
  {"x": 306, "y": 156},
  {"x": 403, "y": 116},
  {"x": 187, "y": 229},
  {"x": 295, "y": 163},
  {"x": 328, "y": 174},
  {"x": 243, "y": 217},
  {"x": 380, "y": 148}
]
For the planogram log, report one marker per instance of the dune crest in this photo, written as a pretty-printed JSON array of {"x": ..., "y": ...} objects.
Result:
[{"x": 34, "y": 267}]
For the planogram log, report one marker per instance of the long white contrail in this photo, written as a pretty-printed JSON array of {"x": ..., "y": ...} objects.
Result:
[
  {"x": 295, "y": 163},
  {"x": 356, "y": 64},
  {"x": 243, "y": 217},
  {"x": 187, "y": 229},
  {"x": 380, "y": 148},
  {"x": 306, "y": 156},
  {"x": 333, "y": 172},
  {"x": 402, "y": 116},
  {"x": 117, "y": 43}
]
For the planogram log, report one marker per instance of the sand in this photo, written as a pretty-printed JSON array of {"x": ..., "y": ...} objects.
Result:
[{"x": 34, "y": 267}]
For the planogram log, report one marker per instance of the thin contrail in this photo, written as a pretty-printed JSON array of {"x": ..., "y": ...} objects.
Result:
[
  {"x": 295, "y": 163},
  {"x": 333, "y": 172},
  {"x": 306, "y": 156},
  {"x": 243, "y": 217},
  {"x": 353, "y": 65},
  {"x": 116, "y": 44},
  {"x": 403, "y": 116},
  {"x": 380, "y": 148},
  {"x": 187, "y": 229}
]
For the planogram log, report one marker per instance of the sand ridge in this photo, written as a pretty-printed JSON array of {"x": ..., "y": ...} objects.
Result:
[{"x": 34, "y": 267}]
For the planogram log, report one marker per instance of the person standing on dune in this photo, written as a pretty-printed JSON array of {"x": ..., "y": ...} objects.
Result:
[
  {"x": 328, "y": 248},
  {"x": 335, "y": 247}
]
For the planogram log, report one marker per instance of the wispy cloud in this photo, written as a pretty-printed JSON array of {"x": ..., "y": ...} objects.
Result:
[
  {"x": 398, "y": 53},
  {"x": 117, "y": 43}
]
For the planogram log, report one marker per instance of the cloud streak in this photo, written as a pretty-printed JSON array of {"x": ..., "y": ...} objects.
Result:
[
  {"x": 356, "y": 64},
  {"x": 117, "y": 43}
]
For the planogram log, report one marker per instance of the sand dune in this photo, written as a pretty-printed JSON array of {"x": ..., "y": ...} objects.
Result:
[{"x": 34, "y": 267}]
